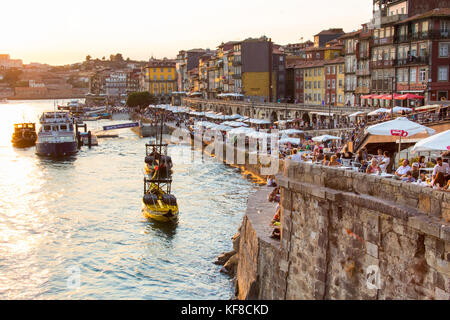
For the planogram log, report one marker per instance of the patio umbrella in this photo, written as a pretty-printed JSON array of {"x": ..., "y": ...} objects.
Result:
[
  {"x": 400, "y": 109},
  {"x": 410, "y": 96},
  {"x": 438, "y": 142},
  {"x": 389, "y": 96},
  {"x": 291, "y": 131},
  {"x": 400, "y": 127},
  {"x": 294, "y": 141},
  {"x": 325, "y": 138}
]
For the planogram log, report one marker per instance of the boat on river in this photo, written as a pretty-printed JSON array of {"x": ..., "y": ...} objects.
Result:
[
  {"x": 24, "y": 135},
  {"x": 56, "y": 137},
  {"x": 159, "y": 203}
]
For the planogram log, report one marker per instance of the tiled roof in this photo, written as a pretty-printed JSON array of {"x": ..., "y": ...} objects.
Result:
[{"x": 438, "y": 12}]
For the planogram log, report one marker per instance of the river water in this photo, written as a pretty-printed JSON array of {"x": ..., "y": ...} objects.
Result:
[{"x": 73, "y": 228}]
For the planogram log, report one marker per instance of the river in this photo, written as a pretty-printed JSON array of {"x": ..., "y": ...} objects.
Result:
[{"x": 73, "y": 228}]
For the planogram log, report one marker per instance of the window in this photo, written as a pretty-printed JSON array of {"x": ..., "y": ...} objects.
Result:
[
  {"x": 413, "y": 75},
  {"x": 319, "y": 84},
  {"x": 315, "y": 84},
  {"x": 315, "y": 72},
  {"x": 63, "y": 127},
  {"x": 443, "y": 73},
  {"x": 443, "y": 50},
  {"x": 162, "y": 69},
  {"x": 162, "y": 78},
  {"x": 422, "y": 75},
  {"x": 444, "y": 28},
  {"x": 340, "y": 83},
  {"x": 333, "y": 86},
  {"x": 47, "y": 128},
  {"x": 425, "y": 27},
  {"x": 328, "y": 84}
]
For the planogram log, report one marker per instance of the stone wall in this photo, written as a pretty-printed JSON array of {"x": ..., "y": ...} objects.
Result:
[{"x": 348, "y": 235}]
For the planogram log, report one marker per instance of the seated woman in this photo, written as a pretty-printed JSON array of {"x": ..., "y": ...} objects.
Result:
[
  {"x": 373, "y": 167},
  {"x": 333, "y": 162},
  {"x": 326, "y": 160}
]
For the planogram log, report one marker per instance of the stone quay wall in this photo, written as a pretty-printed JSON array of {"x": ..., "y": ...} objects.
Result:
[{"x": 346, "y": 235}]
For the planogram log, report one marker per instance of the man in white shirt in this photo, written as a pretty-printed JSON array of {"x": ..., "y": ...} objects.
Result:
[
  {"x": 403, "y": 170},
  {"x": 441, "y": 167},
  {"x": 296, "y": 156}
]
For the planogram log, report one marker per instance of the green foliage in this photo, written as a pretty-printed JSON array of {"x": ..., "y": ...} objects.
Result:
[
  {"x": 140, "y": 99},
  {"x": 12, "y": 76}
]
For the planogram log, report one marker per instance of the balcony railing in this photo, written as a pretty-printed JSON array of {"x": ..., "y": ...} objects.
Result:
[
  {"x": 412, "y": 61},
  {"x": 363, "y": 72},
  {"x": 388, "y": 40},
  {"x": 382, "y": 85},
  {"x": 381, "y": 64},
  {"x": 237, "y": 76}
]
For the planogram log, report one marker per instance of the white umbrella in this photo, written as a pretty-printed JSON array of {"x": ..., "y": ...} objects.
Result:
[
  {"x": 400, "y": 127},
  {"x": 438, "y": 142},
  {"x": 291, "y": 131},
  {"x": 353, "y": 115},
  {"x": 295, "y": 141},
  {"x": 325, "y": 138},
  {"x": 378, "y": 111}
]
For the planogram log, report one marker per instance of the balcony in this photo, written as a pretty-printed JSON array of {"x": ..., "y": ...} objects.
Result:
[
  {"x": 420, "y": 36},
  {"x": 237, "y": 63},
  {"x": 364, "y": 54},
  {"x": 381, "y": 64},
  {"x": 237, "y": 76},
  {"x": 383, "y": 41},
  {"x": 412, "y": 61},
  {"x": 362, "y": 90},
  {"x": 382, "y": 85},
  {"x": 393, "y": 19},
  {"x": 363, "y": 72}
]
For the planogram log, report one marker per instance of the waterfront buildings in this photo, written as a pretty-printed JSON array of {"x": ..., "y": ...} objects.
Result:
[{"x": 161, "y": 78}]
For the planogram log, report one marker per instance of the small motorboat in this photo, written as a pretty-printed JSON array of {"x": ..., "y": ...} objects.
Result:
[{"x": 24, "y": 135}]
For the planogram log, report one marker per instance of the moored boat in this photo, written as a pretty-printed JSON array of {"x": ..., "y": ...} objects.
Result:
[
  {"x": 24, "y": 135},
  {"x": 56, "y": 137}
]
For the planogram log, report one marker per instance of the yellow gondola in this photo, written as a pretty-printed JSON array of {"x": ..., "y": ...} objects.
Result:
[{"x": 157, "y": 204}]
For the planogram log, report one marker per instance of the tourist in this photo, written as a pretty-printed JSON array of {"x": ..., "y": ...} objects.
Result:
[
  {"x": 333, "y": 162},
  {"x": 409, "y": 177},
  {"x": 271, "y": 181},
  {"x": 439, "y": 181},
  {"x": 326, "y": 160},
  {"x": 384, "y": 161},
  {"x": 359, "y": 157},
  {"x": 421, "y": 162},
  {"x": 415, "y": 172},
  {"x": 441, "y": 167},
  {"x": 403, "y": 169},
  {"x": 296, "y": 156},
  {"x": 379, "y": 156},
  {"x": 373, "y": 167},
  {"x": 320, "y": 157}
]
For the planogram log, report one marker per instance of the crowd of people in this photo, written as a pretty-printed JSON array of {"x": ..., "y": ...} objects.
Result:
[{"x": 381, "y": 164}]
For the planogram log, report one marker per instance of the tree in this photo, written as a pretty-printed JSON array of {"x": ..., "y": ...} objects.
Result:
[
  {"x": 140, "y": 99},
  {"x": 11, "y": 76},
  {"x": 88, "y": 58}
]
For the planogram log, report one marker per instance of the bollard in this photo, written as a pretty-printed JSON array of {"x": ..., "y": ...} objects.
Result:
[{"x": 89, "y": 139}]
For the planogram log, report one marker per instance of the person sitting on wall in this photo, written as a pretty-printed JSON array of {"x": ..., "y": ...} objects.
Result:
[
  {"x": 296, "y": 156},
  {"x": 415, "y": 172},
  {"x": 403, "y": 169}
]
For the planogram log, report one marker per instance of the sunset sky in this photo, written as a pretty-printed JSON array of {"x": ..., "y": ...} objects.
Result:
[{"x": 62, "y": 32}]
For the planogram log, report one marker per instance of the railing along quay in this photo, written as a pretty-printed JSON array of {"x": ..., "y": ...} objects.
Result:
[{"x": 277, "y": 106}]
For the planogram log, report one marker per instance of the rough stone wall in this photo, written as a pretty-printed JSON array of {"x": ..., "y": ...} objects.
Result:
[{"x": 342, "y": 230}]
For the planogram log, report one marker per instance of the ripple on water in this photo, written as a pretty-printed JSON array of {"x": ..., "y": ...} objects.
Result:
[{"x": 85, "y": 212}]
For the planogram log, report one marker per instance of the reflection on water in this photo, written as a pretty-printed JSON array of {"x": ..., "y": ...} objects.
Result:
[{"x": 85, "y": 212}]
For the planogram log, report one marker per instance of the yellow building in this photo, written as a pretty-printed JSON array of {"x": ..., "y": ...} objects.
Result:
[
  {"x": 160, "y": 78},
  {"x": 314, "y": 82}
]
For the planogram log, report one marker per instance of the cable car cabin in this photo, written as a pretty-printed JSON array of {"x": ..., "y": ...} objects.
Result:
[{"x": 24, "y": 135}]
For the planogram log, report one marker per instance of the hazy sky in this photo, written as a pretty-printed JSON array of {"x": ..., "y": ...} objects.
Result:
[{"x": 61, "y": 32}]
